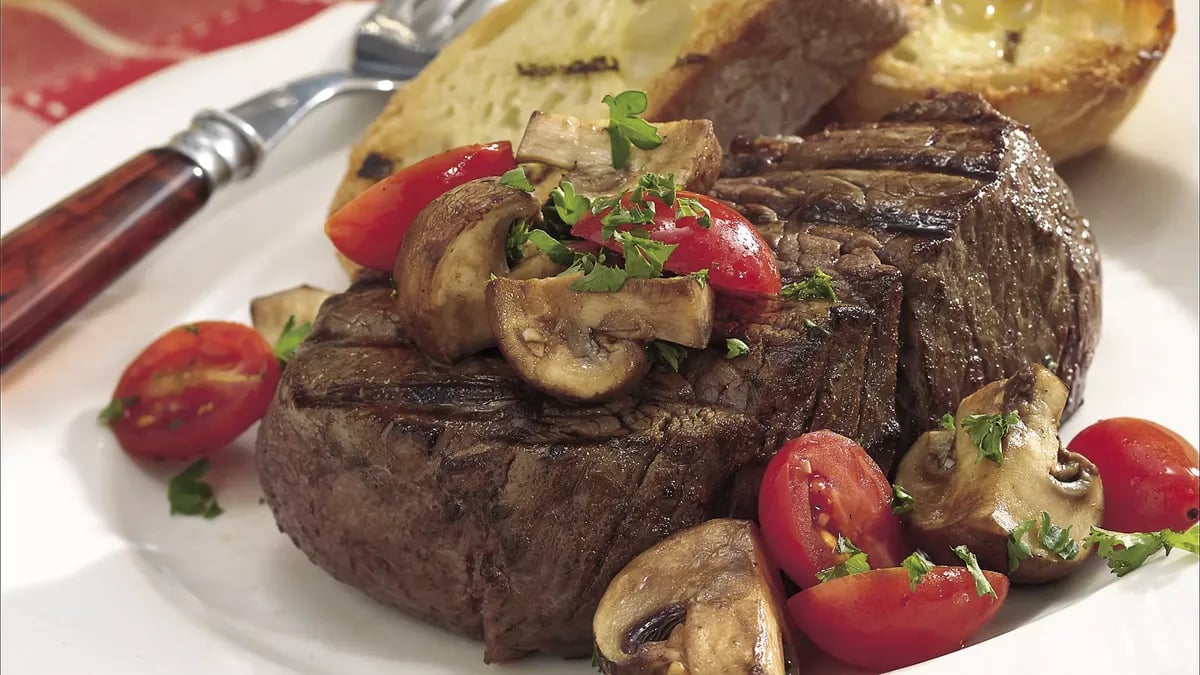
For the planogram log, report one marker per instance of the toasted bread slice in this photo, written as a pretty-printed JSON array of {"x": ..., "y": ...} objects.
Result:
[
  {"x": 752, "y": 66},
  {"x": 1070, "y": 69}
]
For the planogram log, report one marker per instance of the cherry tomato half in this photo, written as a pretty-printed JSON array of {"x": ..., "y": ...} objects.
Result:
[
  {"x": 736, "y": 256},
  {"x": 194, "y": 390},
  {"x": 875, "y": 621},
  {"x": 818, "y": 486},
  {"x": 1150, "y": 474},
  {"x": 369, "y": 229}
]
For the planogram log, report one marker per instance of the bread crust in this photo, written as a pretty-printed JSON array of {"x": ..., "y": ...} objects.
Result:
[{"x": 1072, "y": 102}]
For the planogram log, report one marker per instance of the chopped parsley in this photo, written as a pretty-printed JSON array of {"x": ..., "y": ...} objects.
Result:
[
  {"x": 554, "y": 249},
  {"x": 518, "y": 234},
  {"x": 856, "y": 563},
  {"x": 644, "y": 257},
  {"x": 626, "y": 129},
  {"x": 597, "y": 277},
  {"x": 809, "y": 324},
  {"x": 947, "y": 422},
  {"x": 690, "y": 207},
  {"x": 115, "y": 410},
  {"x": 735, "y": 348},
  {"x": 517, "y": 180},
  {"x": 1126, "y": 552},
  {"x": 634, "y": 214},
  {"x": 661, "y": 187},
  {"x": 987, "y": 432},
  {"x": 191, "y": 496},
  {"x": 669, "y": 354},
  {"x": 1057, "y": 540},
  {"x": 917, "y": 565},
  {"x": 902, "y": 501},
  {"x": 701, "y": 277},
  {"x": 568, "y": 204},
  {"x": 1018, "y": 548},
  {"x": 174, "y": 424},
  {"x": 191, "y": 328},
  {"x": 291, "y": 338},
  {"x": 820, "y": 285},
  {"x": 982, "y": 585}
]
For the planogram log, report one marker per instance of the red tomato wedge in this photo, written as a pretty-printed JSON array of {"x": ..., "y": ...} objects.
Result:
[
  {"x": 736, "y": 256},
  {"x": 194, "y": 390},
  {"x": 818, "y": 486},
  {"x": 1150, "y": 473},
  {"x": 875, "y": 621},
  {"x": 369, "y": 229}
]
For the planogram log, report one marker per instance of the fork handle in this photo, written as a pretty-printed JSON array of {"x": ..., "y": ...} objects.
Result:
[{"x": 54, "y": 264}]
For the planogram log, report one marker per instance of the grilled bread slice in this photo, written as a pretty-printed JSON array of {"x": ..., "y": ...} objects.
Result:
[
  {"x": 760, "y": 66},
  {"x": 1070, "y": 69}
]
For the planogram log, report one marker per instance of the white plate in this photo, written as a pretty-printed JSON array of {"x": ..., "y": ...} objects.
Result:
[{"x": 98, "y": 578}]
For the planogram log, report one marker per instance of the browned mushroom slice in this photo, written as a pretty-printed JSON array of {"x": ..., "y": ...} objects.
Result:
[
  {"x": 689, "y": 149},
  {"x": 453, "y": 247},
  {"x": 704, "y": 601},
  {"x": 961, "y": 499},
  {"x": 271, "y": 313},
  {"x": 582, "y": 346}
]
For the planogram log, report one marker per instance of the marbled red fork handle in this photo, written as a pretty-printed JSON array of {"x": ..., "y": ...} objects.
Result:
[{"x": 54, "y": 264}]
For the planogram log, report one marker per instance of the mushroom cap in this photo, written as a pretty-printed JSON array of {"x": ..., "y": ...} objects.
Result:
[
  {"x": 453, "y": 247},
  {"x": 960, "y": 499},
  {"x": 585, "y": 346},
  {"x": 706, "y": 598}
]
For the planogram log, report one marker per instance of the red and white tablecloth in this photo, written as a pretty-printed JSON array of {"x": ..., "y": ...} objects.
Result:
[{"x": 58, "y": 56}]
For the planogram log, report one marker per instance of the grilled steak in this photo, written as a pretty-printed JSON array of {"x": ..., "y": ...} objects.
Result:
[
  {"x": 999, "y": 267},
  {"x": 462, "y": 496}
]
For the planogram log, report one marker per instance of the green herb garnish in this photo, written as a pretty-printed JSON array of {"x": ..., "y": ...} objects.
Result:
[
  {"x": 669, "y": 354},
  {"x": 516, "y": 179},
  {"x": 290, "y": 338},
  {"x": 820, "y": 285},
  {"x": 661, "y": 187},
  {"x": 692, "y": 208},
  {"x": 735, "y": 348},
  {"x": 1057, "y": 540},
  {"x": 982, "y": 585},
  {"x": 191, "y": 328},
  {"x": 701, "y": 277},
  {"x": 115, "y": 410},
  {"x": 191, "y": 496},
  {"x": 947, "y": 422},
  {"x": 597, "y": 277},
  {"x": 568, "y": 204},
  {"x": 625, "y": 128},
  {"x": 917, "y": 565},
  {"x": 1018, "y": 548},
  {"x": 644, "y": 257},
  {"x": 902, "y": 501},
  {"x": 809, "y": 324},
  {"x": 554, "y": 249},
  {"x": 987, "y": 432},
  {"x": 1126, "y": 552},
  {"x": 855, "y": 564},
  {"x": 514, "y": 244}
]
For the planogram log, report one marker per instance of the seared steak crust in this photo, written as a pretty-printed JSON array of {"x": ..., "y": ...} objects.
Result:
[{"x": 464, "y": 497}]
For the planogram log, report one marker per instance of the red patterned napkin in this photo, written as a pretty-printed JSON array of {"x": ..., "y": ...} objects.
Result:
[{"x": 58, "y": 56}]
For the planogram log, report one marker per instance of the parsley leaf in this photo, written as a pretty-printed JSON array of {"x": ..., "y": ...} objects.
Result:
[
  {"x": 1057, "y": 540},
  {"x": 115, "y": 410},
  {"x": 669, "y": 354},
  {"x": 902, "y": 502},
  {"x": 692, "y": 208},
  {"x": 917, "y": 565},
  {"x": 634, "y": 214},
  {"x": 1018, "y": 548},
  {"x": 1127, "y": 551},
  {"x": 701, "y": 277},
  {"x": 554, "y": 249},
  {"x": 987, "y": 432},
  {"x": 856, "y": 563},
  {"x": 809, "y": 324},
  {"x": 662, "y": 187},
  {"x": 175, "y": 423},
  {"x": 569, "y": 205},
  {"x": 291, "y": 338},
  {"x": 820, "y": 285},
  {"x": 518, "y": 234},
  {"x": 982, "y": 585},
  {"x": 191, "y": 496},
  {"x": 735, "y": 348},
  {"x": 644, "y": 257},
  {"x": 625, "y": 128},
  {"x": 598, "y": 277},
  {"x": 516, "y": 179},
  {"x": 947, "y": 422},
  {"x": 191, "y": 328}
]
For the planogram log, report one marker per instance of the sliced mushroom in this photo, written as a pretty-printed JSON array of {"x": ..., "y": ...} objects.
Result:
[
  {"x": 270, "y": 313},
  {"x": 690, "y": 150},
  {"x": 703, "y": 601},
  {"x": 961, "y": 499},
  {"x": 583, "y": 346},
  {"x": 451, "y": 250}
]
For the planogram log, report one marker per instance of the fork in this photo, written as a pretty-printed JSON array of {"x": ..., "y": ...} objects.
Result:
[{"x": 55, "y": 263}]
